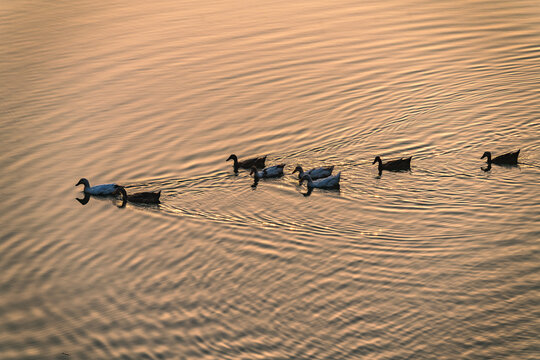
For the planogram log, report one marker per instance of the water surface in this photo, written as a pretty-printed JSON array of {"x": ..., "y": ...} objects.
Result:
[{"x": 441, "y": 262}]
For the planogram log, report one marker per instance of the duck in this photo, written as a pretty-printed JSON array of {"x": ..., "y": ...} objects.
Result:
[
  {"x": 268, "y": 172},
  {"x": 316, "y": 173},
  {"x": 105, "y": 189},
  {"x": 257, "y": 162},
  {"x": 505, "y": 159},
  {"x": 141, "y": 197},
  {"x": 393, "y": 165},
  {"x": 330, "y": 182}
]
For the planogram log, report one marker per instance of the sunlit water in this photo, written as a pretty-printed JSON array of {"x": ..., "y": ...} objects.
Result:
[{"x": 441, "y": 262}]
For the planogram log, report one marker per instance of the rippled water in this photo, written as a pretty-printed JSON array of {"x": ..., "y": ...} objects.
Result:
[{"x": 441, "y": 262}]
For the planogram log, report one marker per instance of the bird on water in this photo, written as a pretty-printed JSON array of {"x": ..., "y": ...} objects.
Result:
[
  {"x": 146, "y": 197},
  {"x": 105, "y": 189},
  {"x": 258, "y": 162},
  {"x": 510, "y": 158},
  {"x": 316, "y": 173},
  {"x": 393, "y": 165}
]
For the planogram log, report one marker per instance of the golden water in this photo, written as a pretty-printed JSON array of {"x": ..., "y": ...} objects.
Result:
[{"x": 437, "y": 263}]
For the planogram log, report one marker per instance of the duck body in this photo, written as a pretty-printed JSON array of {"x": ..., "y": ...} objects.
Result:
[
  {"x": 257, "y": 162},
  {"x": 393, "y": 165},
  {"x": 316, "y": 173},
  {"x": 269, "y": 172},
  {"x": 505, "y": 159},
  {"x": 141, "y": 197},
  {"x": 105, "y": 189},
  {"x": 330, "y": 182}
]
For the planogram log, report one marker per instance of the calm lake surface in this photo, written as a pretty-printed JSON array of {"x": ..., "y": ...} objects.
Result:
[{"x": 442, "y": 262}]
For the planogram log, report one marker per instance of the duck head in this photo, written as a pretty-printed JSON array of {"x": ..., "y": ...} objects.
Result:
[
  {"x": 377, "y": 159},
  {"x": 84, "y": 182},
  {"x": 298, "y": 168},
  {"x": 488, "y": 155},
  {"x": 235, "y": 159}
]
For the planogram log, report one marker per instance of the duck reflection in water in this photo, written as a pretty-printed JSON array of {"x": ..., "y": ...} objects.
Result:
[
  {"x": 84, "y": 200},
  {"x": 310, "y": 190},
  {"x": 488, "y": 167},
  {"x": 87, "y": 197}
]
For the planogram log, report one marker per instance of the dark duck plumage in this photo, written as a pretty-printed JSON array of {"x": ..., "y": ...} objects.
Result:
[
  {"x": 146, "y": 197},
  {"x": 257, "y": 162},
  {"x": 393, "y": 165},
  {"x": 505, "y": 159}
]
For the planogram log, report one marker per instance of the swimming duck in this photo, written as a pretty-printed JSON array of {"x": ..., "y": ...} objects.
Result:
[
  {"x": 330, "y": 182},
  {"x": 317, "y": 173},
  {"x": 393, "y": 165},
  {"x": 269, "y": 172},
  {"x": 105, "y": 189},
  {"x": 258, "y": 162},
  {"x": 505, "y": 159},
  {"x": 141, "y": 197}
]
